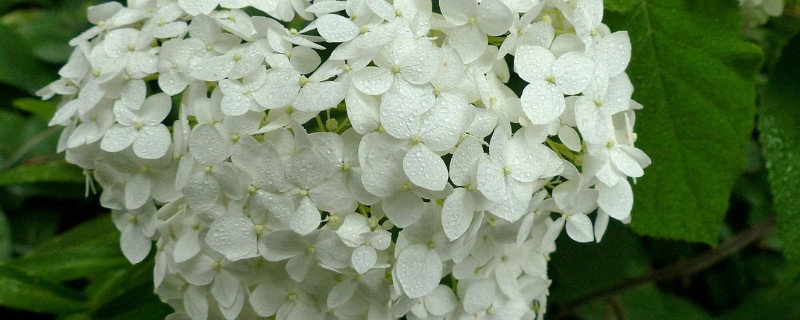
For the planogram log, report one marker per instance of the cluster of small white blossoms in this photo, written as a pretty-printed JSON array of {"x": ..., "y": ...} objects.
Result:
[
  {"x": 398, "y": 177},
  {"x": 757, "y": 12}
]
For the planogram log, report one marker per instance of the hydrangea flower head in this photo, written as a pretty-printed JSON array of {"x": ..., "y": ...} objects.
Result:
[{"x": 338, "y": 159}]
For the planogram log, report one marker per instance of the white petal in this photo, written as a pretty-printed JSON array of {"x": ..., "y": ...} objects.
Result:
[
  {"x": 422, "y": 64},
  {"x": 613, "y": 53},
  {"x": 364, "y": 258},
  {"x": 542, "y": 102},
  {"x": 419, "y": 270},
  {"x": 118, "y": 138},
  {"x": 569, "y": 138},
  {"x": 306, "y": 218},
  {"x": 137, "y": 191},
  {"x": 225, "y": 288},
  {"x": 595, "y": 126},
  {"x": 207, "y": 144},
  {"x": 155, "y": 108},
  {"x": 298, "y": 266},
  {"x": 319, "y": 96},
  {"x": 234, "y": 236},
  {"x": 553, "y": 230},
  {"x": 464, "y": 162},
  {"x": 458, "y": 11},
  {"x": 213, "y": 69},
  {"x": 351, "y": 229},
  {"x": 237, "y": 22},
  {"x": 373, "y": 80},
  {"x": 135, "y": 246},
  {"x": 196, "y": 7},
  {"x": 195, "y": 302},
  {"x": 625, "y": 163},
  {"x": 202, "y": 191},
  {"x": 494, "y": 18},
  {"x": 579, "y": 228},
  {"x": 479, "y": 296},
  {"x": 441, "y": 301},
  {"x": 362, "y": 110},
  {"x": 335, "y": 28},
  {"x": 187, "y": 246},
  {"x": 425, "y": 168},
  {"x": 491, "y": 180},
  {"x": 600, "y": 225},
  {"x": 341, "y": 293},
  {"x": 457, "y": 213},
  {"x": 152, "y": 142},
  {"x": 282, "y": 244},
  {"x": 533, "y": 63},
  {"x": 305, "y": 60},
  {"x": 234, "y": 104},
  {"x": 468, "y": 41},
  {"x": 403, "y": 209},
  {"x": 573, "y": 71},
  {"x": 281, "y": 86},
  {"x": 617, "y": 200},
  {"x": 266, "y": 299}
]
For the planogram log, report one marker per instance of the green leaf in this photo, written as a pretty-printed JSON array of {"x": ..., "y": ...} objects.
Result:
[
  {"x": 618, "y": 257},
  {"x": 18, "y": 67},
  {"x": 5, "y": 238},
  {"x": 696, "y": 79},
  {"x": 127, "y": 294},
  {"x": 620, "y": 5},
  {"x": 777, "y": 302},
  {"x": 21, "y": 291},
  {"x": 11, "y": 124},
  {"x": 90, "y": 248},
  {"x": 42, "y": 109},
  {"x": 51, "y": 171},
  {"x": 645, "y": 302},
  {"x": 780, "y": 138},
  {"x": 32, "y": 227}
]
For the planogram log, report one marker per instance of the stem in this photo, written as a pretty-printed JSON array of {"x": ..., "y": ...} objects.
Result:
[{"x": 678, "y": 269}]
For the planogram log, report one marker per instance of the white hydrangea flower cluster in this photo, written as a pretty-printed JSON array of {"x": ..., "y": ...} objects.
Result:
[{"x": 372, "y": 165}]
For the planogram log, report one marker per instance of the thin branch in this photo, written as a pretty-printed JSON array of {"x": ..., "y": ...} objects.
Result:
[{"x": 678, "y": 269}]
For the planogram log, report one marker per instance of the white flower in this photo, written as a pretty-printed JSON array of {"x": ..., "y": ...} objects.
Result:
[
  {"x": 141, "y": 128},
  {"x": 366, "y": 236},
  {"x": 549, "y": 79},
  {"x": 137, "y": 227},
  {"x": 472, "y": 22},
  {"x": 507, "y": 175}
]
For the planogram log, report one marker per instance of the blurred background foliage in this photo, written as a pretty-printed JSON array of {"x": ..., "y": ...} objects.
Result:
[{"x": 59, "y": 251}]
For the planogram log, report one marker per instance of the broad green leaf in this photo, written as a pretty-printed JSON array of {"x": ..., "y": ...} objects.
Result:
[
  {"x": 618, "y": 257},
  {"x": 25, "y": 138},
  {"x": 696, "y": 79},
  {"x": 5, "y": 238},
  {"x": 645, "y": 302},
  {"x": 11, "y": 124},
  {"x": 51, "y": 171},
  {"x": 32, "y": 226},
  {"x": 780, "y": 138},
  {"x": 21, "y": 291},
  {"x": 90, "y": 248},
  {"x": 42, "y": 109},
  {"x": 620, "y": 5},
  {"x": 18, "y": 67},
  {"x": 48, "y": 30},
  {"x": 127, "y": 294},
  {"x": 777, "y": 302},
  {"x": 136, "y": 303}
]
